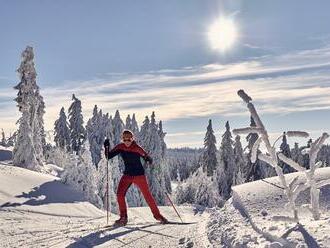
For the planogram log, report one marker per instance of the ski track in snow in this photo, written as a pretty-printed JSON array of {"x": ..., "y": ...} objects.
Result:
[
  {"x": 28, "y": 229},
  {"x": 32, "y": 216}
]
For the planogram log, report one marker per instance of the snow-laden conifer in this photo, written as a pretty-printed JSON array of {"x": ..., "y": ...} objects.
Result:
[
  {"x": 62, "y": 132},
  {"x": 28, "y": 150}
]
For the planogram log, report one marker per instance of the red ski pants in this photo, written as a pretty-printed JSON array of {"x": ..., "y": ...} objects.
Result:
[{"x": 141, "y": 182}]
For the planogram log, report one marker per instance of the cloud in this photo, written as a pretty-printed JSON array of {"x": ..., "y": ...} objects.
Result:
[{"x": 278, "y": 84}]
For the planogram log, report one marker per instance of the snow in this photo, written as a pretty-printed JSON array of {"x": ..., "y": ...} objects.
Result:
[
  {"x": 37, "y": 210},
  {"x": 257, "y": 216}
]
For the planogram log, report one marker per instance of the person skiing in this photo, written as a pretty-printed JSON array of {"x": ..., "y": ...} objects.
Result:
[{"x": 134, "y": 173}]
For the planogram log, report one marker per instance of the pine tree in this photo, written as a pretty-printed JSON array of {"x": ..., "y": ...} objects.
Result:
[
  {"x": 206, "y": 193},
  {"x": 12, "y": 139},
  {"x": 198, "y": 189},
  {"x": 118, "y": 127},
  {"x": 164, "y": 165},
  {"x": 209, "y": 160},
  {"x": 135, "y": 127},
  {"x": 62, "y": 132},
  {"x": 227, "y": 164},
  {"x": 39, "y": 131},
  {"x": 3, "y": 139},
  {"x": 324, "y": 155},
  {"x": 151, "y": 142},
  {"x": 254, "y": 169},
  {"x": 81, "y": 174},
  {"x": 296, "y": 154},
  {"x": 306, "y": 155},
  {"x": 240, "y": 162},
  {"x": 128, "y": 124},
  {"x": 95, "y": 134},
  {"x": 285, "y": 149},
  {"x": 77, "y": 130},
  {"x": 28, "y": 150}
]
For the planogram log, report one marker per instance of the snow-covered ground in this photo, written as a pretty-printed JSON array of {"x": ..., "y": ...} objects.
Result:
[
  {"x": 257, "y": 216},
  {"x": 36, "y": 210}
]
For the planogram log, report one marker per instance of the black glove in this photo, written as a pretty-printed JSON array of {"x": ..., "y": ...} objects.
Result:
[
  {"x": 106, "y": 147},
  {"x": 106, "y": 143},
  {"x": 148, "y": 159}
]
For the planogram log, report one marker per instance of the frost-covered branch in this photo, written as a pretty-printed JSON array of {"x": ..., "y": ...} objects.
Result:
[
  {"x": 271, "y": 158},
  {"x": 293, "y": 189},
  {"x": 247, "y": 130},
  {"x": 300, "y": 134},
  {"x": 255, "y": 148},
  {"x": 323, "y": 183},
  {"x": 310, "y": 175},
  {"x": 290, "y": 162}
]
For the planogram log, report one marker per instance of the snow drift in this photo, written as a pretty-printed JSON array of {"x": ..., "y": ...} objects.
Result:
[{"x": 258, "y": 215}]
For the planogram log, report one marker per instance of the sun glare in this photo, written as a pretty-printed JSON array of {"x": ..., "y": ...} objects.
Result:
[{"x": 222, "y": 34}]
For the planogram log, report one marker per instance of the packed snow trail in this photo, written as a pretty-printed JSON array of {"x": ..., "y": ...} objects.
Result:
[{"x": 36, "y": 210}]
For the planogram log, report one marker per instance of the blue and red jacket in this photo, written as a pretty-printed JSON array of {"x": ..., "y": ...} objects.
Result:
[{"x": 131, "y": 156}]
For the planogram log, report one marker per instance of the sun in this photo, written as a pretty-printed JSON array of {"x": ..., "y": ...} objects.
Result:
[{"x": 222, "y": 34}]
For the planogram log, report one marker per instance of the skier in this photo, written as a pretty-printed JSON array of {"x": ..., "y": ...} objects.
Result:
[{"x": 131, "y": 152}]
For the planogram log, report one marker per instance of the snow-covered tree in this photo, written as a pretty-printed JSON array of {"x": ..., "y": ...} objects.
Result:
[
  {"x": 185, "y": 192},
  {"x": 82, "y": 175},
  {"x": 58, "y": 156},
  {"x": 198, "y": 189},
  {"x": 183, "y": 162},
  {"x": 254, "y": 169},
  {"x": 39, "y": 131},
  {"x": 240, "y": 162},
  {"x": 3, "y": 141},
  {"x": 296, "y": 154},
  {"x": 151, "y": 141},
  {"x": 166, "y": 168},
  {"x": 62, "y": 132},
  {"x": 118, "y": 127},
  {"x": 285, "y": 149},
  {"x": 209, "y": 160},
  {"x": 95, "y": 134},
  {"x": 206, "y": 190},
  {"x": 324, "y": 155},
  {"x": 135, "y": 127},
  {"x": 28, "y": 150},
  {"x": 128, "y": 124},
  {"x": 77, "y": 130},
  {"x": 227, "y": 164},
  {"x": 12, "y": 139}
]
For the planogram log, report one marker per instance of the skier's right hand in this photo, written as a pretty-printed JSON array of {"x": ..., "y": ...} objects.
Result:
[
  {"x": 106, "y": 147},
  {"x": 106, "y": 143}
]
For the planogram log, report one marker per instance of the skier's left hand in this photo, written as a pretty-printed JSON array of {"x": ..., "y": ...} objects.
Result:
[
  {"x": 148, "y": 159},
  {"x": 148, "y": 163}
]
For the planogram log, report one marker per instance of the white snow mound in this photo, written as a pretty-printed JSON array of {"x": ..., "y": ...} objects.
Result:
[{"x": 257, "y": 216}]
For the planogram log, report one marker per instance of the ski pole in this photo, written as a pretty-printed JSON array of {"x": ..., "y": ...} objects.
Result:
[
  {"x": 169, "y": 199},
  {"x": 107, "y": 192}
]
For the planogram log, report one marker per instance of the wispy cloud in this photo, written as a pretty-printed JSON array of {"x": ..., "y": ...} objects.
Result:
[{"x": 279, "y": 84}]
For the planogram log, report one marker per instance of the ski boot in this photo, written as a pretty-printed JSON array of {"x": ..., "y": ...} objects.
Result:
[
  {"x": 122, "y": 221},
  {"x": 162, "y": 219}
]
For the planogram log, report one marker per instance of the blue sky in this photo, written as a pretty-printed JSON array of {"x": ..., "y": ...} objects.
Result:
[{"x": 140, "y": 56}]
